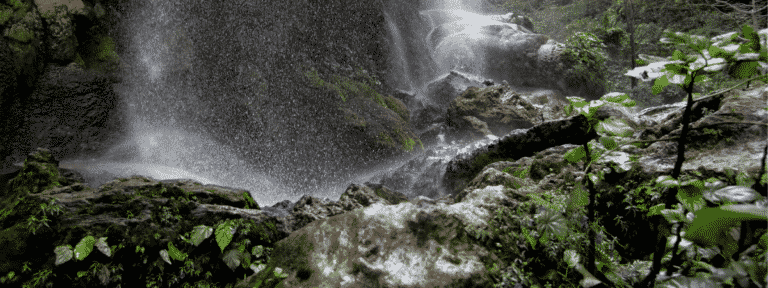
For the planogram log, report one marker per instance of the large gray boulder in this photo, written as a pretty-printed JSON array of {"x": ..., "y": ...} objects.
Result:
[{"x": 400, "y": 245}]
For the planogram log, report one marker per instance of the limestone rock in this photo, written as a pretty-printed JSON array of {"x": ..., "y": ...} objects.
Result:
[{"x": 393, "y": 245}]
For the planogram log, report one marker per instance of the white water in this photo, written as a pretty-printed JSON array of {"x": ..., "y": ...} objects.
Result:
[{"x": 161, "y": 147}]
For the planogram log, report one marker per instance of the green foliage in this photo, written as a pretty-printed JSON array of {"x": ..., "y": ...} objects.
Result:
[
  {"x": 249, "y": 202},
  {"x": 19, "y": 5},
  {"x": 5, "y": 14},
  {"x": 584, "y": 54}
]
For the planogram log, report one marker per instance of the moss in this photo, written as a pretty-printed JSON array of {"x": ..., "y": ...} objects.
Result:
[
  {"x": 21, "y": 33},
  {"x": 5, "y": 14},
  {"x": 314, "y": 78},
  {"x": 408, "y": 144},
  {"x": 249, "y": 202},
  {"x": 384, "y": 139},
  {"x": 398, "y": 107},
  {"x": 345, "y": 87},
  {"x": 79, "y": 60},
  {"x": 19, "y": 5}
]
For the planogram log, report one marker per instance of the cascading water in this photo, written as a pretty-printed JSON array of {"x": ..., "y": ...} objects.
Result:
[
  {"x": 461, "y": 47},
  {"x": 211, "y": 92}
]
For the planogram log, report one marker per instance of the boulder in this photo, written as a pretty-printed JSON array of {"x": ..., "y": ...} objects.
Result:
[
  {"x": 518, "y": 143},
  {"x": 725, "y": 132},
  {"x": 501, "y": 47},
  {"x": 141, "y": 211},
  {"x": 381, "y": 129},
  {"x": 392, "y": 245},
  {"x": 445, "y": 88},
  {"x": 501, "y": 111}
]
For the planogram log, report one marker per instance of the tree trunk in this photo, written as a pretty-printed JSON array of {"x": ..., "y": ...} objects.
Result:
[{"x": 631, "y": 26}]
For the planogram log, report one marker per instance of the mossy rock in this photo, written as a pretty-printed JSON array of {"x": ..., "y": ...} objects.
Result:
[
  {"x": 399, "y": 107},
  {"x": 40, "y": 172},
  {"x": 5, "y": 14}
]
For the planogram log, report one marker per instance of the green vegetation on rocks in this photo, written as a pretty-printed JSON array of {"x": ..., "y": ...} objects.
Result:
[
  {"x": 20, "y": 33},
  {"x": 5, "y": 14}
]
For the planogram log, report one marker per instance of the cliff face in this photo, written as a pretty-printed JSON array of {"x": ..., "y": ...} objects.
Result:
[{"x": 235, "y": 69}]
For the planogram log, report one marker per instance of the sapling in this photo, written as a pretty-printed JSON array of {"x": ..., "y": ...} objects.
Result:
[{"x": 683, "y": 70}]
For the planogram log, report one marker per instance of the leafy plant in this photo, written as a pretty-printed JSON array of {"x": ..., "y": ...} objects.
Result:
[{"x": 683, "y": 70}]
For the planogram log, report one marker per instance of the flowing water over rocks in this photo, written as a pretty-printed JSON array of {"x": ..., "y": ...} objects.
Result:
[{"x": 259, "y": 114}]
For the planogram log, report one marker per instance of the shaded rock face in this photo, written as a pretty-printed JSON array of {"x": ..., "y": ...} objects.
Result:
[
  {"x": 71, "y": 111},
  {"x": 41, "y": 37}
]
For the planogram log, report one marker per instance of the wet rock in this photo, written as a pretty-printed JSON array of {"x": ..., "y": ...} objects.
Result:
[
  {"x": 723, "y": 134},
  {"x": 500, "y": 112},
  {"x": 519, "y": 143},
  {"x": 379, "y": 128},
  {"x": 71, "y": 107},
  {"x": 38, "y": 173},
  {"x": 370, "y": 237},
  {"x": 732, "y": 194}
]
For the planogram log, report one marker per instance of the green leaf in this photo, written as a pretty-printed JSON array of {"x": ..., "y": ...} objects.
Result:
[
  {"x": 578, "y": 198},
  {"x": 84, "y": 247},
  {"x": 687, "y": 81},
  {"x": 200, "y": 233},
  {"x": 63, "y": 254},
  {"x": 676, "y": 68},
  {"x": 232, "y": 258},
  {"x": 754, "y": 39},
  {"x": 676, "y": 215},
  {"x": 677, "y": 55},
  {"x": 575, "y": 154},
  {"x": 572, "y": 258},
  {"x": 666, "y": 181},
  {"x": 552, "y": 222},
  {"x": 278, "y": 272},
  {"x": 710, "y": 225},
  {"x": 164, "y": 255},
  {"x": 257, "y": 251},
  {"x": 659, "y": 84},
  {"x": 175, "y": 253},
  {"x": 655, "y": 210},
  {"x": 102, "y": 245},
  {"x": 568, "y": 109},
  {"x": 717, "y": 52},
  {"x": 744, "y": 70},
  {"x": 528, "y": 237},
  {"x": 608, "y": 142},
  {"x": 617, "y": 98},
  {"x": 224, "y": 233},
  {"x": 691, "y": 198}
]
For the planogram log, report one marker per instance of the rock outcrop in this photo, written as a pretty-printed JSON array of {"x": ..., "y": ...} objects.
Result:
[
  {"x": 130, "y": 210},
  {"x": 490, "y": 111},
  {"x": 518, "y": 143}
]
